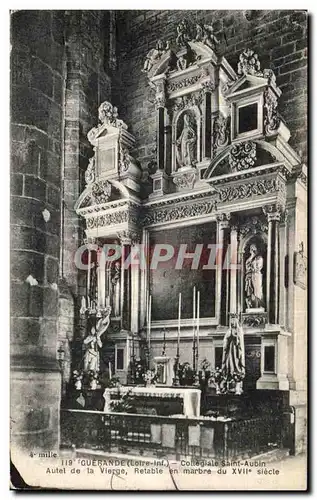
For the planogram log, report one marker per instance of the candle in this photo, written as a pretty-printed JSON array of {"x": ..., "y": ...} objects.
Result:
[
  {"x": 179, "y": 320},
  {"x": 198, "y": 317},
  {"x": 108, "y": 301},
  {"x": 149, "y": 322},
  {"x": 110, "y": 371},
  {"x": 88, "y": 272}
]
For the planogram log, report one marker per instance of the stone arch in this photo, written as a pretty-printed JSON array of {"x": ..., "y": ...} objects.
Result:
[{"x": 269, "y": 148}]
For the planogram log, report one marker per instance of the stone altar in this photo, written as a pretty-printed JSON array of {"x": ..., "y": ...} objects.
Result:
[{"x": 190, "y": 397}]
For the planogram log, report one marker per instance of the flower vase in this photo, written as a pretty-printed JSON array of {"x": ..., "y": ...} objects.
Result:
[
  {"x": 78, "y": 385},
  {"x": 93, "y": 384},
  {"x": 218, "y": 391},
  {"x": 238, "y": 389}
]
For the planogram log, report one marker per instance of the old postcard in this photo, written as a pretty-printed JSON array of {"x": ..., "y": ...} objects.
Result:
[{"x": 159, "y": 249}]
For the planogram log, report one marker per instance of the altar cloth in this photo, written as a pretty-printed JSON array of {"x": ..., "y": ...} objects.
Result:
[{"x": 190, "y": 397}]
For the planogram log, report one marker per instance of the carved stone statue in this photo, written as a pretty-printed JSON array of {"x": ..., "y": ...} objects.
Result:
[
  {"x": 93, "y": 343},
  {"x": 232, "y": 354},
  {"x": 185, "y": 144},
  {"x": 253, "y": 279},
  {"x": 154, "y": 55},
  {"x": 115, "y": 288}
]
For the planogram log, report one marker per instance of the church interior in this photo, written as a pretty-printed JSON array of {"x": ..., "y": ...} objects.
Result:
[{"x": 158, "y": 231}]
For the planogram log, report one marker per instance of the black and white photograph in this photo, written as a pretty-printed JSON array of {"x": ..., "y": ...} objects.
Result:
[{"x": 158, "y": 250}]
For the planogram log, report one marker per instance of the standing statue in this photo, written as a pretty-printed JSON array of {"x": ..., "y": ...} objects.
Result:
[
  {"x": 116, "y": 288},
  {"x": 93, "y": 343},
  {"x": 233, "y": 352},
  {"x": 253, "y": 279},
  {"x": 185, "y": 144}
]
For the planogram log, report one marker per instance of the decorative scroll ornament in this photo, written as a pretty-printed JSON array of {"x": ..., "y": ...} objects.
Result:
[
  {"x": 271, "y": 119},
  {"x": 185, "y": 180},
  {"x": 273, "y": 212},
  {"x": 188, "y": 101},
  {"x": 129, "y": 236},
  {"x": 91, "y": 171},
  {"x": 242, "y": 156},
  {"x": 100, "y": 192},
  {"x": 179, "y": 212},
  {"x": 108, "y": 114},
  {"x": 124, "y": 159},
  {"x": 253, "y": 225},
  {"x": 113, "y": 218},
  {"x": 246, "y": 190},
  {"x": 300, "y": 267},
  {"x": 249, "y": 63},
  {"x": 257, "y": 320},
  {"x": 221, "y": 132},
  {"x": 203, "y": 33},
  {"x": 154, "y": 55},
  {"x": 185, "y": 82}
]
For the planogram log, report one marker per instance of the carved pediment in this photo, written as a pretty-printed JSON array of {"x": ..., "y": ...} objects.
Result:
[
  {"x": 242, "y": 156},
  {"x": 191, "y": 45}
]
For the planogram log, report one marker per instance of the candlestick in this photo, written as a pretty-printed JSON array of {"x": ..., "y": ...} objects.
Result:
[
  {"x": 198, "y": 317},
  {"x": 164, "y": 344},
  {"x": 149, "y": 327},
  {"x": 108, "y": 301},
  {"x": 179, "y": 322},
  {"x": 194, "y": 340}
]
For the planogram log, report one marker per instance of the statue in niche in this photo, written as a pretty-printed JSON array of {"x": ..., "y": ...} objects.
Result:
[
  {"x": 93, "y": 343},
  {"x": 115, "y": 288},
  {"x": 253, "y": 279},
  {"x": 233, "y": 349},
  {"x": 185, "y": 144}
]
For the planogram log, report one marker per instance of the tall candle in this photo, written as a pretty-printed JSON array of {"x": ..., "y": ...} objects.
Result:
[
  {"x": 149, "y": 321},
  {"x": 88, "y": 272},
  {"x": 110, "y": 371},
  {"x": 179, "y": 320},
  {"x": 198, "y": 317}
]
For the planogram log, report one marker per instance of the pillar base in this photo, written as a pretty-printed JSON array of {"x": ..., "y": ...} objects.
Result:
[{"x": 273, "y": 382}]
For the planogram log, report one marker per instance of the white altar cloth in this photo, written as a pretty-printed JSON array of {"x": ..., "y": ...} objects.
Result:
[{"x": 190, "y": 397}]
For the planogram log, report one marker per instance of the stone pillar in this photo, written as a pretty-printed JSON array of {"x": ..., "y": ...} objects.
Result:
[
  {"x": 233, "y": 268},
  {"x": 37, "y": 87},
  {"x": 283, "y": 269},
  {"x": 273, "y": 213},
  {"x": 222, "y": 225},
  {"x": 208, "y": 88},
  {"x": 160, "y": 101}
]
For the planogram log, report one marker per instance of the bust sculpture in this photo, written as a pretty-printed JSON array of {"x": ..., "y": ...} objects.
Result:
[
  {"x": 185, "y": 144},
  {"x": 253, "y": 279}
]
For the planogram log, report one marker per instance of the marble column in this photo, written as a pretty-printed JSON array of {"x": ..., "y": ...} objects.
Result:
[
  {"x": 233, "y": 268},
  {"x": 222, "y": 225},
  {"x": 208, "y": 88},
  {"x": 273, "y": 213}
]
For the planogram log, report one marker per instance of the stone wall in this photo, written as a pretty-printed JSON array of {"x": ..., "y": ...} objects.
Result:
[
  {"x": 58, "y": 81},
  {"x": 36, "y": 141},
  {"x": 278, "y": 37}
]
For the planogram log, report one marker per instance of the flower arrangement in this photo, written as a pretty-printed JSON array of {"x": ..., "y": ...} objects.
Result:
[
  {"x": 93, "y": 378},
  {"x": 186, "y": 374},
  {"x": 123, "y": 404},
  {"x": 205, "y": 365},
  {"x": 77, "y": 378},
  {"x": 149, "y": 377}
]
